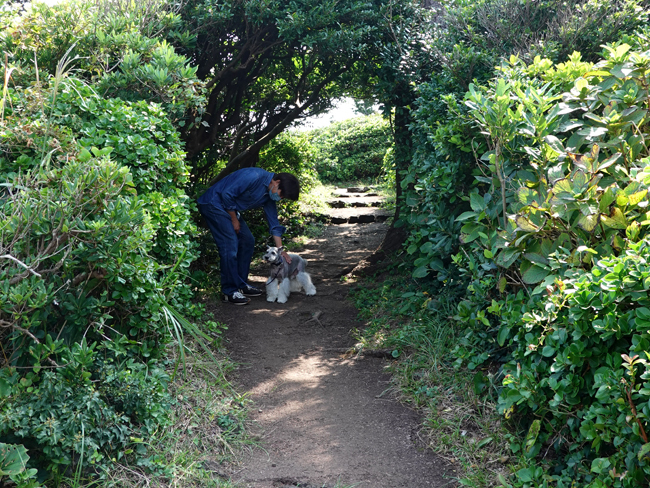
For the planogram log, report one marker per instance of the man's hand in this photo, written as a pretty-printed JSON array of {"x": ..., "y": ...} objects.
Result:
[
  {"x": 235, "y": 220},
  {"x": 286, "y": 257},
  {"x": 278, "y": 243}
]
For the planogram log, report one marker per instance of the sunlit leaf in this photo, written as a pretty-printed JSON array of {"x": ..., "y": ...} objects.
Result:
[
  {"x": 622, "y": 71},
  {"x": 527, "y": 196},
  {"x": 524, "y": 224},
  {"x": 609, "y": 161},
  {"x": 608, "y": 197},
  {"x": 637, "y": 197},
  {"x": 588, "y": 222},
  {"x": 555, "y": 144},
  {"x": 592, "y": 132},
  {"x": 615, "y": 220},
  {"x": 579, "y": 183},
  {"x": 555, "y": 173}
]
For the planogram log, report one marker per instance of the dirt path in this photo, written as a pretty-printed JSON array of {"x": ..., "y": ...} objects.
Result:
[{"x": 324, "y": 420}]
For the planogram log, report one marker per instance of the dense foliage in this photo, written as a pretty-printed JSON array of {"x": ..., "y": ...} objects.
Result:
[
  {"x": 351, "y": 150},
  {"x": 528, "y": 201},
  {"x": 268, "y": 64},
  {"x": 523, "y": 193},
  {"x": 96, "y": 243}
]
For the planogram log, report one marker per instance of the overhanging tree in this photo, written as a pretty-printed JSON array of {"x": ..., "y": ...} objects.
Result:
[{"x": 268, "y": 64}]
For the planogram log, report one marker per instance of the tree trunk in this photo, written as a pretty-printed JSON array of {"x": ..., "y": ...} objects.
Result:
[{"x": 396, "y": 236}]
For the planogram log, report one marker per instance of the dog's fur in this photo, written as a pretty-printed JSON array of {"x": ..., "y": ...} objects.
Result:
[{"x": 285, "y": 277}]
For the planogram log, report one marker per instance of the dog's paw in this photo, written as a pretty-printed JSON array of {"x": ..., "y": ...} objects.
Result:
[
  {"x": 270, "y": 299},
  {"x": 282, "y": 300},
  {"x": 310, "y": 293}
]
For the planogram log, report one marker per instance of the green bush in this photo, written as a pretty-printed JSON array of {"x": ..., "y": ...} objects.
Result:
[
  {"x": 117, "y": 49},
  {"x": 579, "y": 367},
  {"x": 96, "y": 243},
  {"x": 547, "y": 243},
  {"x": 351, "y": 150}
]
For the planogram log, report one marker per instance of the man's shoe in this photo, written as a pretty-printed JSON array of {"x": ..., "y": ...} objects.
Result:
[
  {"x": 251, "y": 291},
  {"x": 236, "y": 298}
]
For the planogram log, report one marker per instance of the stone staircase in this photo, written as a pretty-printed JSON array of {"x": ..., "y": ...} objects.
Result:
[{"x": 356, "y": 205}]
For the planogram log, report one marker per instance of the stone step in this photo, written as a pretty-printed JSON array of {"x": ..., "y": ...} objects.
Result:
[
  {"x": 359, "y": 219},
  {"x": 354, "y": 195},
  {"x": 352, "y": 215},
  {"x": 353, "y": 189},
  {"x": 356, "y": 203}
]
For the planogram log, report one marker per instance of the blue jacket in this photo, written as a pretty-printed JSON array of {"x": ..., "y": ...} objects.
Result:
[{"x": 242, "y": 190}]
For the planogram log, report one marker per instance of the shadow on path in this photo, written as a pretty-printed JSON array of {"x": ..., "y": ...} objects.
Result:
[{"x": 323, "y": 418}]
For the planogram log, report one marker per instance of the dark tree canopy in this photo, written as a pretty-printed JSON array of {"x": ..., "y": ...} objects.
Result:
[{"x": 268, "y": 64}]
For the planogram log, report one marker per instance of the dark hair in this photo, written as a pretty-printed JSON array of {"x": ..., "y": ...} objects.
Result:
[{"x": 289, "y": 185}]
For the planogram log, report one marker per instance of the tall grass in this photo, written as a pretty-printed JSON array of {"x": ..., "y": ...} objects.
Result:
[{"x": 5, "y": 86}]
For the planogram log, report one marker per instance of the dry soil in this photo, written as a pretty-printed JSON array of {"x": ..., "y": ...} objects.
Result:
[{"x": 324, "y": 419}]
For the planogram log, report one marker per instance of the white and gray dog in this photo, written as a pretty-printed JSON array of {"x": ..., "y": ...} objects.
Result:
[{"x": 285, "y": 277}]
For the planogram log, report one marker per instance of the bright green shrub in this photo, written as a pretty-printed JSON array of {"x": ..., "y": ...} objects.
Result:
[
  {"x": 291, "y": 153},
  {"x": 546, "y": 238},
  {"x": 84, "y": 235},
  {"x": 578, "y": 364},
  {"x": 351, "y": 150},
  {"x": 96, "y": 243},
  {"x": 119, "y": 51},
  {"x": 563, "y": 209}
]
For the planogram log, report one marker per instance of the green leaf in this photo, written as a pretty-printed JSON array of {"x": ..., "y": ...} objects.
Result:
[
  {"x": 477, "y": 202},
  {"x": 608, "y": 197},
  {"x": 615, "y": 220},
  {"x": 555, "y": 144},
  {"x": 13, "y": 459},
  {"x": 548, "y": 351},
  {"x": 525, "y": 475},
  {"x": 421, "y": 272},
  {"x": 527, "y": 196},
  {"x": 588, "y": 222},
  {"x": 533, "y": 432},
  {"x": 643, "y": 452},
  {"x": 555, "y": 173},
  {"x": 5, "y": 388},
  {"x": 503, "y": 335},
  {"x": 506, "y": 257},
  {"x": 643, "y": 313},
  {"x": 84, "y": 155},
  {"x": 564, "y": 190},
  {"x": 637, "y": 197},
  {"x": 502, "y": 284},
  {"x": 600, "y": 465},
  {"x": 524, "y": 224},
  {"x": 536, "y": 258},
  {"x": 608, "y": 162},
  {"x": 465, "y": 216},
  {"x": 533, "y": 274},
  {"x": 579, "y": 183}
]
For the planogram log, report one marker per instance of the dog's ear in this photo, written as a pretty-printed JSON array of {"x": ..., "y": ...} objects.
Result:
[{"x": 281, "y": 248}]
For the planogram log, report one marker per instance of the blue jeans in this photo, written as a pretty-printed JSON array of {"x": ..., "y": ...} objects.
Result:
[{"x": 235, "y": 249}]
